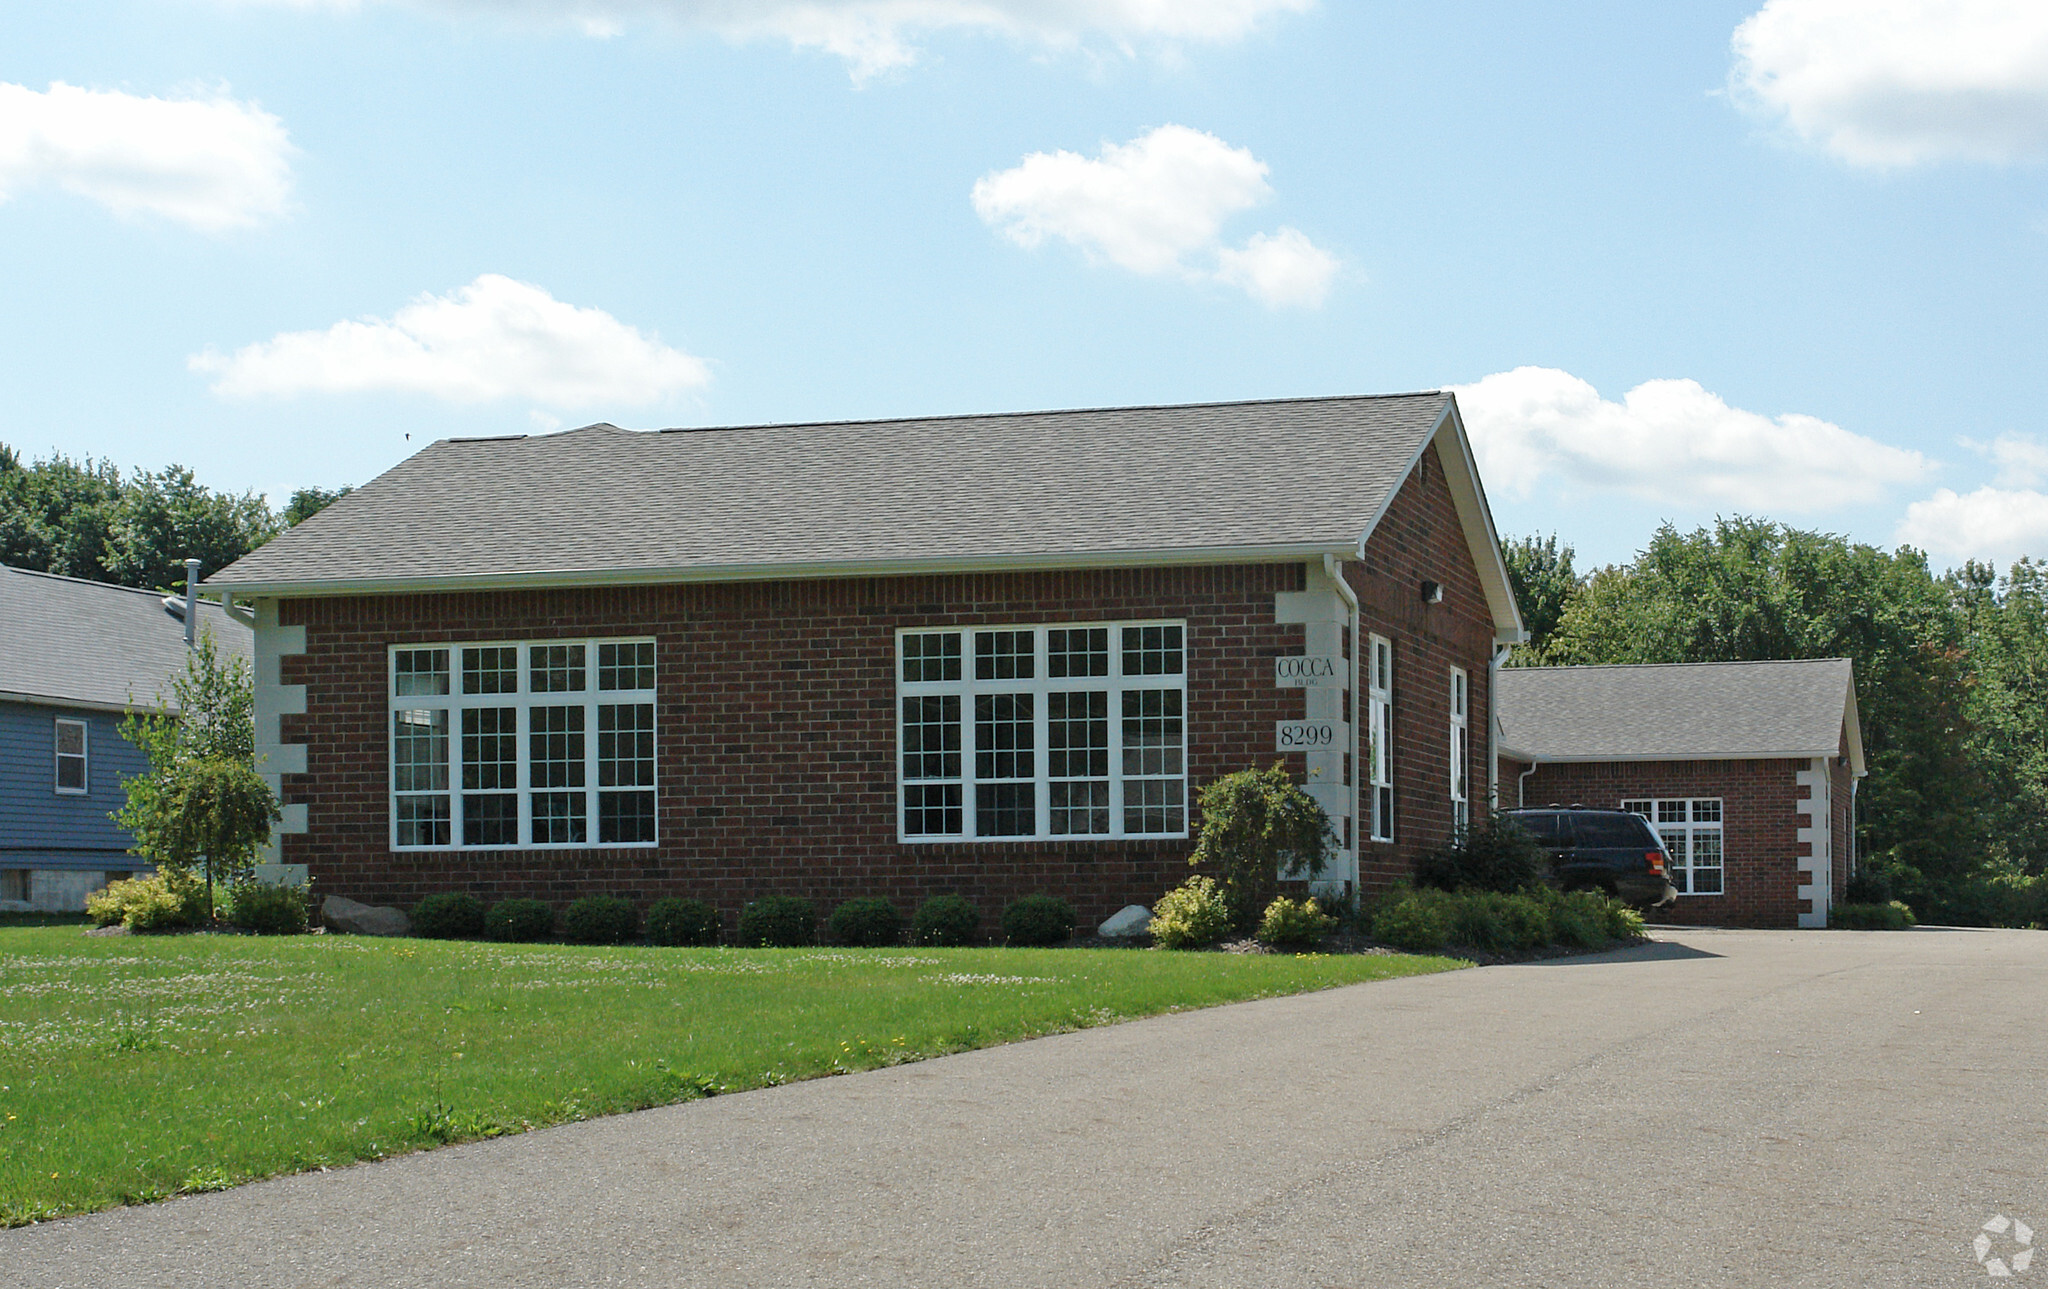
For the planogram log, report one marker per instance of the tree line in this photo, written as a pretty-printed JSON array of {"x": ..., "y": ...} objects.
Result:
[
  {"x": 1951, "y": 683},
  {"x": 85, "y": 518}
]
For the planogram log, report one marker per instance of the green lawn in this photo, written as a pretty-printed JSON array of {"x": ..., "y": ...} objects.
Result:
[{"x": 133, "y": 1068}]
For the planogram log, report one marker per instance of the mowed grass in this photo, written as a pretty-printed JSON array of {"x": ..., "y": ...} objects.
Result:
[{"x": 134, "y": 1068}]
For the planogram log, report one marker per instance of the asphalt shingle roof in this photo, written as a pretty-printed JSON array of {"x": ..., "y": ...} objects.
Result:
[
  {"x": 69, "y": 640},
  {"x": 1101, "y": 482},
  {"x": 1678, "y": 712}
]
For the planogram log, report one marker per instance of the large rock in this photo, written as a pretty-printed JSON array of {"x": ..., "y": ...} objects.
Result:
[
  {"x": 363, "y": 919},
  {"x": 1130, "y": 920}
]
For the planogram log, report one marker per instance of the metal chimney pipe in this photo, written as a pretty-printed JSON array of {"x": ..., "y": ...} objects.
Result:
[{"x": 191, "y": 602}]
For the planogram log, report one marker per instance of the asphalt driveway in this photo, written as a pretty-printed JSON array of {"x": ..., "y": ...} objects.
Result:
[{"x": 1719, "y": 1108}]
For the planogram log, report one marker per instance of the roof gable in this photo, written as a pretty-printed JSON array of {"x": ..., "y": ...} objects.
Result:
[
  {"x": 1681, "y": 712},
  {"x": 91, "y": 644}
]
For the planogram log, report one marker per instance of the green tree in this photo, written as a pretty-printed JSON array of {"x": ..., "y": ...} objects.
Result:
[
  {"x": 1258, "y": 825},
  {"x": 1540, "y": 571},
  {"x": 308, "y": 502},
  {"x": 167, "y": 517},
  {"x": 2005, "y": 626},
  {"x": 55, "y": 515},
  {"x": 201, "y": 803}
]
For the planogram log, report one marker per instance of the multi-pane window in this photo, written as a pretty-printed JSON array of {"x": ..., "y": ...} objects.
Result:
[
  {"x": 523, "y": 744},
  {"x": 1461, "y": 757},
  {"x": 1690, "y": 828},
  {"x": 71, "y": 778},
  {"x": 1065, "y": 731},
  {"x": 1380, "y": 729}
]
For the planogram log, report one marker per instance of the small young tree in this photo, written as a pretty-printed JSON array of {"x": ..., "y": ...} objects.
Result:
[
  {"x": 1257, "y": 826},
  {"x": 201, "y": 804}
]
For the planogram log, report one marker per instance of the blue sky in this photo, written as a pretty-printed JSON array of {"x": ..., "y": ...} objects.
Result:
[{"x": 1783, "y": 259}]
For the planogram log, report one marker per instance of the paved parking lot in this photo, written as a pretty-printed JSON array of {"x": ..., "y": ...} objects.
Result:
[{"x": 1718, "y": 1108}]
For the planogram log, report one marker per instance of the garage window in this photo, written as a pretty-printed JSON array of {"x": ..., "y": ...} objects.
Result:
[{"x": 1691, "y": 831}]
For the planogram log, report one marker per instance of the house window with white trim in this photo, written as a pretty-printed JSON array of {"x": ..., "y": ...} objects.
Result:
[
  {"x": 528, "y": 744},
  {"x": 71, "y": 777},
  {"x": 1042, "y": 731},
  {"x": 1380, "y": 726},
  {"x": 1691, "y": 831},
  {"x": 1461, "y": 804}
]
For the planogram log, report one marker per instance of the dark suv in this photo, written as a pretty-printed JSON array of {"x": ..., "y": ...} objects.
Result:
[{"x": 1608, "y": 850}]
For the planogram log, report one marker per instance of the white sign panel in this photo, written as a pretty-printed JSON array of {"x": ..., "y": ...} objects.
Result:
[
  {"x": 1311, "y": 736},
  {"x": 1313, "y": 672}
]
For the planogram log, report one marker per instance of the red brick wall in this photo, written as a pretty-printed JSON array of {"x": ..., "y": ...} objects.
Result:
[
  {"x": 1760, "y": 826},
  {"x": 777, "y": 723},
  {"x": 1419, "y": 539}
]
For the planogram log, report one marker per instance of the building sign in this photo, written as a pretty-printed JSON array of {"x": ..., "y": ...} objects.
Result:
[
  {"x": 1313, "y": 672},
  {"x": 1311, "y": 736}
]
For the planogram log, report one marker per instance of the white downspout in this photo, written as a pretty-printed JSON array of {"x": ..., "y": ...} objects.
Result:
[
  {"x": 1333, "y": 568},
  {"x": 1522, "y": 785}
]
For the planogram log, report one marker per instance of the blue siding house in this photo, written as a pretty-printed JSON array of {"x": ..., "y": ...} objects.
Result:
[{"x": 75, "y": 656}]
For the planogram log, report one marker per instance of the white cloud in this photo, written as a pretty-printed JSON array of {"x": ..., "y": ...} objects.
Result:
[
  {"x": 2022, "y": 461},
  {"x": 211, "y": 162},
  {"x": 879, "y": 35},
  {"x": 1898, "y": 82},
  {"x": 493, "y": 339},
  {"x": 1671, "y": 442},
  {"x": 1156, "y": 206},
  {"x": 1994, "y": 524}
]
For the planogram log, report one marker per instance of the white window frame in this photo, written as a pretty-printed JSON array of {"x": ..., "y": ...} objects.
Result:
[
  {"x": 1041, "y": 685},
  {"x": 59, "y": 756},
  {"x": 523, "y": 700},
  {"x": 1461, "y": 750},
  {"x": 1680, "y": 822},
  {"x": 1380, "y": 717}
]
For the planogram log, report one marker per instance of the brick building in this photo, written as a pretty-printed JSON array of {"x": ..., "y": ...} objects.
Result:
[
  {"x": 1747, "y": 769},
  {"x": 995, "y": 655}
]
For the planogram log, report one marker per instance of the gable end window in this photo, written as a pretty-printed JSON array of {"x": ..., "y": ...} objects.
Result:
[
  {"x": 1380, "y": 727},
  {"x": 540, "y": 744},
  {"x": 1691, "y": 830},
  {"x": 1461, "y": 752},
  {"x": 71, "y": 768},
  {"x": 1066, "y": 731}
]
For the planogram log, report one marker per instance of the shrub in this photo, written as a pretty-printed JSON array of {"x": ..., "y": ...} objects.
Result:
[
  {"x": 159, "y": 902},
  {"x": 1889, "y": 916},
  {"x": 778, "y": 921},
  {"x": 519, "y": 921},
  {"x": 1498, "y": 923},
  {"x": 601, "y": 919},
  {"x": 672, "y": 922},
  {"x": 265, "y": 909},
  {"x": 1193, "y": 915},
  {"x": 1417, "y": 921},
  {"x": 870, "y": 921},
  {"x": 451, "y": 915},
  {"x": 1578, "y": 919},
  {"x": 1623, "y": 922},
  {"x": 946, "y": 920},
  {"x": 1038, "y": 919},
  {"x": 1292, "y": 924},
  {"x": 1495, "y": 854},
  {"x": 1258, "y": 826}
]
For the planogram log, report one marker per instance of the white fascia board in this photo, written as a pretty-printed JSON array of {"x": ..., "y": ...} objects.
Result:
[
  {"x": 1048, "y": 562},
  {"x": 1598, "y": 757},
  {"x": 1461, "y": 472},
  {"x": 83, "y": 704},
  {"x": 1853, "y": 723}
]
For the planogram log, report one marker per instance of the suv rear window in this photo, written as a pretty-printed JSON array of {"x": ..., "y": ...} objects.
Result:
[
  {"x": 1543, "y": 827},
  {"x": 1613, "y": 832}
]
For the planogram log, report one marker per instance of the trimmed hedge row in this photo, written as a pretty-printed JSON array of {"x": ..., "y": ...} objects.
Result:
[
  {"x": 1427, "y": 921},
  {"x": 778, "y": 921}
]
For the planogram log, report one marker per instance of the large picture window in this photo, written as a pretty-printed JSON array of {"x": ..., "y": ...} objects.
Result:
[
  {"x": 1691, "y": 830},
  {"x": 1066, "y": 731},
  {"x": 547, "y": 743}
]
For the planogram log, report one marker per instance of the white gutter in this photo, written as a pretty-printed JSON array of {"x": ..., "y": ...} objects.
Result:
[
  {"x": 774, "y": 572},
  {"x": 1333, "y": 568}
]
